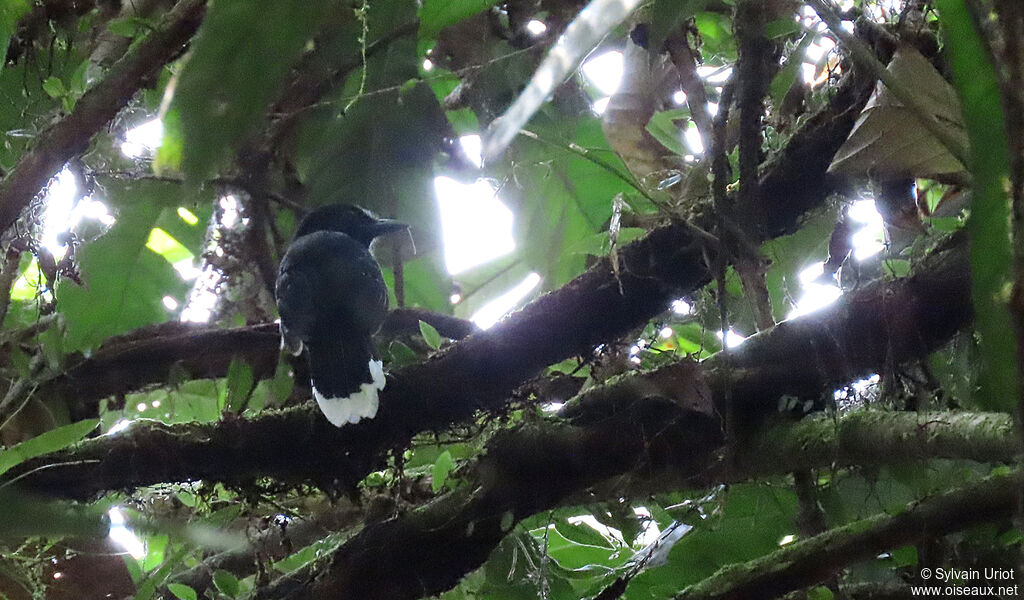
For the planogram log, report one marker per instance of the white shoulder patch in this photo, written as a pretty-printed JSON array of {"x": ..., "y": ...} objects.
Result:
[{"x": 363, "y": 404}]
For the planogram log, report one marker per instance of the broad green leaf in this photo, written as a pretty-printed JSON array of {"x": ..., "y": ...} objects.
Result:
[
  {"x": 896, "y": 267},
  {"x": 667, "y": 15},
  {"x": 226, "y": 583},
  {"x": 54, "y": 87},
  {"x": 976, "y": 82},
  {"x": 240, "y": 57},
  {"x": 574, "y": 555},
  {"x": 147, "y": 588},
  {"x": 664, "y": 129},
  {"x": 749, "y": 524},
  {"x": 51, "y": 441},
  {"x": 381, "y": 152},
  {"x": 166, "y": 246},
  {"x": 182, "y": 591},
  {"x": 52, "y": 347},
  {"x": 124, "y": 281},
  {"x": 172, "y": 146},
  {"x": 25, "y": 516},
  {"x": 430, "y": 335},
  {"x": 781, "y": 28},
  {"x": 322, "y": 547},
  {"x": 438, "y": 14},
  {"x": 239, "y": 385},
  {"x": 128, "y": 27},
  {"x": 280, "y": 387},
  {"x": 787, "y": 75},
  {"x": 442, "y": 467},
  {"x": 582, "y": 534},
  {"x": 401, "y": 355},
  {"x": 155, "y": 547},
  {"x": 905, "y": 556}
]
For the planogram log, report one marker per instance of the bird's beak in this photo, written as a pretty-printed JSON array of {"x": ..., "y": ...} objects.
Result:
[{"x": 385, "y": 226}]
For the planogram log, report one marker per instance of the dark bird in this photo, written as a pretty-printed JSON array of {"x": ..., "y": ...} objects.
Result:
[{"x": 332, "y": 299}]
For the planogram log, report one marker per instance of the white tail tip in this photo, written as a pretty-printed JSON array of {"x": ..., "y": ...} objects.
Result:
[{"x": 358, "y": 405}]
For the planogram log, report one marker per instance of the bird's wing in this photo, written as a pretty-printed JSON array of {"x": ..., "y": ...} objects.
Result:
[{"x": 295, "y": 303}]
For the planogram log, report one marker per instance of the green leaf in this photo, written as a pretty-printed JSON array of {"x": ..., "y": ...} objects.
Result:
[
  {"x": 442, "y": 467},
  {"x": 905, "y": 556},
  {"x": 25, "y": 516},
  {"x": 438, "y": 14},
  {"x": 240, "y": 57},
  {"x": 226, "y": 583},
  {"x": 401, "y": 355},
  {"x": 281, "y": 385},
  {"x": 239, "y": 385},
  {"x": 155, "y": 549},
  {"x": 147, "y": 589},
  {"x": 182, "y": 591},
  {"x": 52, "y": 347},
  {"x": 663, "y": 127},
  {"x": 54, "y": 87},
  {"x": 1010, "y": 537},
  {"x": 166, "y": 246},
  {"x": 126, "y": 27},
  {"x": 430, "y": 335},
  {"x": 781, "y": 28},
  {"x": 896, "y": 267},
  {"x": 172, "y": 146},
  {"x": 667, "y": 15},
  {"x": 124, "y": 281},
  {"x": 820, "y": 593},
  {"x": 787, "y": 75},
  {"x": 582, "y": 534},
  {"x": 975, "y": 79},
  {"x": 51, "y": 441}
]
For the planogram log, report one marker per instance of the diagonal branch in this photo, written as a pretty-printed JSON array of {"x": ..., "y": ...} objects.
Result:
[
  {"x": 148, "y": 356},
  {"x": 96, "y": 107},
  {"x": 807, "y": 562}
]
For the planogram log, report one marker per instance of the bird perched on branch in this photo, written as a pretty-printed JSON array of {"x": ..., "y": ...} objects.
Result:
[{"x": 332, "y": 299}]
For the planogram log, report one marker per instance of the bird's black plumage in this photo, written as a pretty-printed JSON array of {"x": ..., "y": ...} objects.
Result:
[{"x": 332, "y": 299}]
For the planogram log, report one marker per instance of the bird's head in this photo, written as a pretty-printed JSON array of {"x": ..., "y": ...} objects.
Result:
[{"x": 355, "y": 222}]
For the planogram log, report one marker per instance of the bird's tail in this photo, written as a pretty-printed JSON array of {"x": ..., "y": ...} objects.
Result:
[{"x": 346, "y": 379}]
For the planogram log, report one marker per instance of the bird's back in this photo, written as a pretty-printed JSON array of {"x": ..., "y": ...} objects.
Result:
[{"x": 330, "y": 285}]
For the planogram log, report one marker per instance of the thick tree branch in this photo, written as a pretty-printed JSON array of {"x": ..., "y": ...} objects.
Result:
[
  {"x": 875, "y": 437},
  {"x": 96, "y": 107},
  {"x": 147, "y": 356},
  {"x": 536, "y": 468},
  {"x": 885, "y": 322},
  {"x": 696, "y": 96},
  {"x": 807, "y": 562}
]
